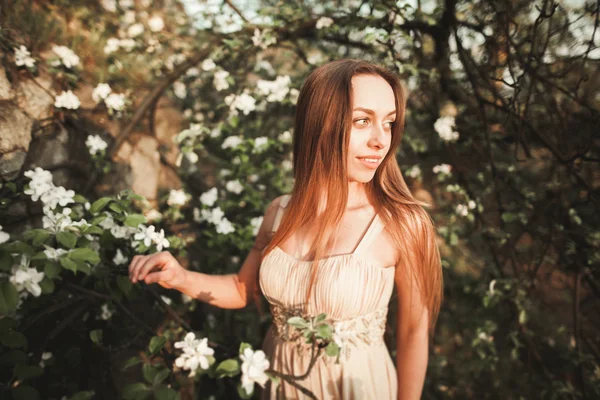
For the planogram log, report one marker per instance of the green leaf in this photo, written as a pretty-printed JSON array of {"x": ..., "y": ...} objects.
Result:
[
  {"x": 93, "y": 230},
  {"x": 136, "y": 391},
  {"x": 229, "y": 368},
  {"x": 332, "y": 349},
  {"x": 19, "y": 248},
  {"x": 116, "y": 207},
  {"x": 324, "y": 331},
  {"x": 24, "y": 392},
  {"x": 13, "y": 357},
  {"x": 96, "y": 220},
  {"x": 96, "y": 336},
  {"x": 124, "y": 284},
  {"x": 164, "y": 392},
  {"x": 149, "y": 371},
  {"x": 134, "y": 220},
  {"x": 68, "y": 264},
  {"x": 156, "y": 344},
  {"x": 67, "y": 239},
  {"x": 38, "y": 236},
  {"x": 131, "y": 362},
  {"x": 47, "y": 286},
  {"x": 9, "y": 298},
  {"x": 6, "y": 261},
  {"x": 88, "y": 255},
  {"x": 161, "y": 376},
  {"x": 79, "y": 199},
  {"x": 13, "y": 339},
  {"x": 320, "y": 318},
  {"x": 244, "y": 346},
  {"x": 23, "y": 371},
  {"x": 51, "y": 270},
  {"x": 85, "y": 395},
  {"x": 99, "y": 204},
  {"x": 7, "y": 324},
  {"x": 298, "y": 322}
]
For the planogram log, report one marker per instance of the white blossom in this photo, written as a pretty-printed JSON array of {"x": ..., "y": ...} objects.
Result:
[
  {"x": 167, "y": 300},
  {"x": 287, "y": 165},
  {"x": 95, "y": 144},
  {"x": 135, "y": 30},
  {"x": 109, "y": 5},
  {"x": 209, "y": 197},
  {"x": 120, "y": 232},
  {"x": 444, "y": 127},
  {"x": 195, "y": 354},
  {"x": 179, "y": 90},
  {"x": 153, "y": 215},
  {"x": 25, "y": 278},
  {"x": 256, "y": 222},
  {"x": 119, "y": 258},
  {"x": 254, "y": 365},
  {"x": 3, "y": 236},
  {"x": 185, "y": 299},
  {"x": 462, "y": 210},
  {"x": 54, "y": 254},
  {"x": 244, "y": 102},
  {"x": 260, "y": 144},
  {"x": 67, "y": 100},
  {"x": 57, "y": 195},
  {"x": 173, "y": 60},
  {"x": 67, "y": 57},
  {"x": 208, "y": 65},
  {"x": 234, "y": 186},
  {"x": 442, "y": 168},
  {"x": 491, "y": 289},
  {"x": 128, "y": 17},
  {"x": 274, "y": 90},
  {"x": 23, "y": 57},
  {"x": 177, "y": 197},
  {"x": 285, "y": 137},
  {"x": 156, "y": 23},
  {"x": 232, "y": 142},
  {"x": 115, "y": 102},
  {"x": 192, "y": 72},
  {"x": 106, "y": 312},
  {"x": 471, "y": 204},
  {"x": 414, "y": 171},
  {"x": 101, "y": 92},
  {"x": 324, "y": 22},
  {"x": 220, "y": 80},
  {"x": 112, "y": 45},
  {"x": 128, "y": 44},
  {"x": 149, "y": 236},
  {"x": 225, "y": 227},
  {"x": 46, "y": 355},
  {"x": 263, "y": 39},
  {"x": 40, "y": 183}
]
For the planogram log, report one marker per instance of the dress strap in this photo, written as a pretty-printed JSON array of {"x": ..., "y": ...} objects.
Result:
[
  {"x": 372, "y": 231},
  {"x": 282, "y": 205}
]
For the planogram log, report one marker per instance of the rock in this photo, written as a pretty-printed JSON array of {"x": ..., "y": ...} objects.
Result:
[
  {"x": 6, "y": 91},
  {"x": 168, "y": 123},
  {"x": 15, "y": 137},
  {"x": 145, "y": 165},
  {"x": 36, "y": 101},
  {"x": 11, "y": 163}
]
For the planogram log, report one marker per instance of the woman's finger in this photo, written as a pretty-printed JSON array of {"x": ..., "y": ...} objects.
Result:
[
  {"x": 135, "y": 270},
  {"x": 132, "y": 265},
  {"x": 159, "y": 276},
  {"x": 155, "y": 260}
]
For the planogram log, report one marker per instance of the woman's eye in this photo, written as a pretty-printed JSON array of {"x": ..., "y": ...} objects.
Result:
[{"x": 362, "y": 119}]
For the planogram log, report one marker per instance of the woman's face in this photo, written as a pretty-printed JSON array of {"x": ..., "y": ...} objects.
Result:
[{"x": 373, "y": 112}]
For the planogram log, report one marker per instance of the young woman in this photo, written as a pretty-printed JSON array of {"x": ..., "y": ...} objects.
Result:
[{"x": 349, "y": 232}]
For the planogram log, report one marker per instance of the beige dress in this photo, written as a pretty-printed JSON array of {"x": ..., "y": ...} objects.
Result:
[{"x": 354, "y": 293}]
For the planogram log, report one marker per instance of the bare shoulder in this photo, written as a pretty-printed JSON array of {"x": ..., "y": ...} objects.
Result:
[{"x": 264, "y": 234}]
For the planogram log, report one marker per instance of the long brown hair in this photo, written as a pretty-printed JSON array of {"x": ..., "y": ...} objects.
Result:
[{"x": 320, "y": 151}]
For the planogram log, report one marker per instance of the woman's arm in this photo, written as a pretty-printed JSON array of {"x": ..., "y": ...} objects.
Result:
[
  {"x": 412, "y": 339},
  {"x": 224, "y": 291}
]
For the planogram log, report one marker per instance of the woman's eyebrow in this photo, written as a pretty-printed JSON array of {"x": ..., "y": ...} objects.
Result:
[{"x": 371, "y": 112}]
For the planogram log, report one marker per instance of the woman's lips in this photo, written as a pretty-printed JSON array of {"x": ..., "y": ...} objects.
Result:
[{"x": 369, "y": 164}]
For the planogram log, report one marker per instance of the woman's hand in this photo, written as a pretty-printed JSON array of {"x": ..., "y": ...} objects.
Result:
[{"x": 161, "y": 268}]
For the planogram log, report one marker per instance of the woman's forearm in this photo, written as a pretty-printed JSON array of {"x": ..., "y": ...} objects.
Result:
[
  {"x": 411, "y": 363},
  {"x": 218, "y": 290}
]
